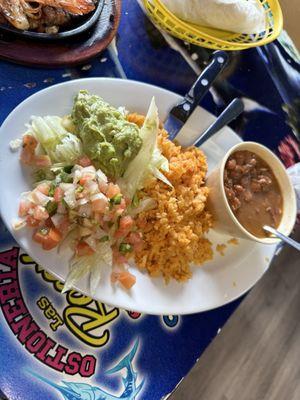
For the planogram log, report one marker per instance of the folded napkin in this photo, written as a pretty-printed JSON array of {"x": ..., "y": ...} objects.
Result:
[
  {"x": 240, "y": 16},
  {"x": 294, "y": 174}
]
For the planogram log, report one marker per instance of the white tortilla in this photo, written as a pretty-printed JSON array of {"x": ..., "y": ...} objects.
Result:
[{"x": 240, "y": 16}]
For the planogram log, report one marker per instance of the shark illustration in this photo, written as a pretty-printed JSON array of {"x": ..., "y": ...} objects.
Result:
[{"x": 84, "y": 391}]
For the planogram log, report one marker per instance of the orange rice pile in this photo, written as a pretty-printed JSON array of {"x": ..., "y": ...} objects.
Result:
[{"x": 174, "y": 230}]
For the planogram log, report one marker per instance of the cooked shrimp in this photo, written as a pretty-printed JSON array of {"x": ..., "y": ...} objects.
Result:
[
  {"x": 32, "y": 12},
  {"x": 76, "y": 7},
  {"x": 14, "y": 13}
]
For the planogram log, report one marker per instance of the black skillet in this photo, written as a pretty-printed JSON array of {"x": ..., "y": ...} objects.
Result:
[{"x": 84, "y": 23}]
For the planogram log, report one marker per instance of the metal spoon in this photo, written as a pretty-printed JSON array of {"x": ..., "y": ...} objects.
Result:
[
  {"x": 286, "y": 239},
  {"x": 231, "y": 112}
]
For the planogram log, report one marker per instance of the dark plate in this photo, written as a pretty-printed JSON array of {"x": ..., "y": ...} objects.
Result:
[{"x": 84, "y": 23}]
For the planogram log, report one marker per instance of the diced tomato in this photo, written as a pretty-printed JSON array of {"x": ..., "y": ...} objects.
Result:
[
  {"x": 58, "y": 194},
  {"x": 47, "y": 237},
  {"x": 27, "y": 156},
  {"x": 52, "y": 240},
  {"x": 120, "y": 208},
  {"x": 106, "y": 226},
  {"x": 127, "y": 201},
  {"x": 126, "y": 224},
  {"x": 138, "y": 246},
  {"x": 83, "y": 249},
  {"x": 42, "y": 161},
  {"x": 99, "y": 218},
  {"x": 87, "y": 174},
  {"x": 86, "y": 178},
  {"x": 142, "y": 223},
  {"x": 48, "y": 223},
  {"x": 29, "y": 142},
  {"x": 44, "y": 188},
  {"x": 31, "y": 221},
  {"x": 118, "y": 234},
  {"x": 40, "y": 213},
  {"x": 99, "y": 205},
  {"x": 111, "y": 215},
  {"x": 24, "y": 207},
  {"x": 64, "y": 224},
  {"x": 125, "y": 278},
  {"x": 84, "y": 161},
  {"x": 118, "y": 258},
  {"x": 112, "y": 190},
  {"x": 39, "y": 237},
  {"x": 122, "y": 205},
  {"x": 114, "y": 277},
  {"x": 29, "y": 145},
  {"x": 135, "y": 238},
  {"x": 103, "y": 186}
]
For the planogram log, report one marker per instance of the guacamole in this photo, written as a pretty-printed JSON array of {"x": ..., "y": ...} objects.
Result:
[{"x": 109, "y": 140}]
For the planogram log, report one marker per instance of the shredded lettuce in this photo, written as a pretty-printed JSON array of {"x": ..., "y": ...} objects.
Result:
[
  {"x": 144, "y": 205},
  {"x": 59, "y": 144},
  {"x": 104, "y": 253},
  {"x": 159, "y": 163},
  {"x": 43, "y": 175},
  {"x": 149, "y": 160},
  {"x": 79, "y": 267},
  {"x": 93, "y": 265}
]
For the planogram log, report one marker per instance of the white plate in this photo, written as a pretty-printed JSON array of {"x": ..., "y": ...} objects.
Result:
[{"x": 213, "y": 285}]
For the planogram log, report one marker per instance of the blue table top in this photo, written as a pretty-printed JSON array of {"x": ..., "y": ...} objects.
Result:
[{"x": 54, "y": 343}]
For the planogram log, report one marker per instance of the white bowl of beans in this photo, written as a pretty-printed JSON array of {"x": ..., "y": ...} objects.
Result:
[{"x": 250, "y": 188}]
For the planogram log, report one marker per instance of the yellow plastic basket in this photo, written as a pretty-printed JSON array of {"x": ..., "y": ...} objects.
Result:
[{"x": 214, "y": 38}]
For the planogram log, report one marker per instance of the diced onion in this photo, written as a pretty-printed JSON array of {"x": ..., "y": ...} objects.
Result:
[
  {"x": 83, "y": 201},
  {"x": 98, "y": 196},
  {"x": 57, "y": 219},
  {"x": 18, "y": 224},
  {"x": 85, "y": 210},
  {"x": 91, "y": 242},
  {"x": 101, "y": 176},
  {"x": 15, "y": 144},
  {"x": 67, "y": 186},
  {"x": 38, "y": 197}
]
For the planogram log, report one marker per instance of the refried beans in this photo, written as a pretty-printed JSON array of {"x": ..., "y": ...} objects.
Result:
[{"x": 253, "y": 192}]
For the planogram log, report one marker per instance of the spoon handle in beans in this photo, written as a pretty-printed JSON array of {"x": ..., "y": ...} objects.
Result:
[{"x": 231, "y": 112}]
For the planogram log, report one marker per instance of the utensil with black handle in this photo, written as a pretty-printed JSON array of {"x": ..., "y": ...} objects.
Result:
[{"x": 179, "y": 114}]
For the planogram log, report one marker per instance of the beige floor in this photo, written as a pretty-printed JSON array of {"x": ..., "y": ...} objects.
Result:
[
  {"x": 257, "y": 354},
  {"x": 291, "y": 13}
]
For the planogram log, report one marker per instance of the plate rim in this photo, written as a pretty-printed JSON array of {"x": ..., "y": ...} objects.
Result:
[{"x": 192, "y": 309}]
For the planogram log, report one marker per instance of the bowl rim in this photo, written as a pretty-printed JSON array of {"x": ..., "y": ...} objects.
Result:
[{"x": 267, "y": 240}]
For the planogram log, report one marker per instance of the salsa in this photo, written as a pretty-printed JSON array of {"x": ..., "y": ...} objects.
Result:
[{"x": 253, "y": 192}]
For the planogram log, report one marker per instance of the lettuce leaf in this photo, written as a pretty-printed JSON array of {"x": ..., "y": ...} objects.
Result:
[
  {"x": 149, "y": 160},
  {"x": 93, "y": 265},
  {"x": 59, "y": 144}
]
